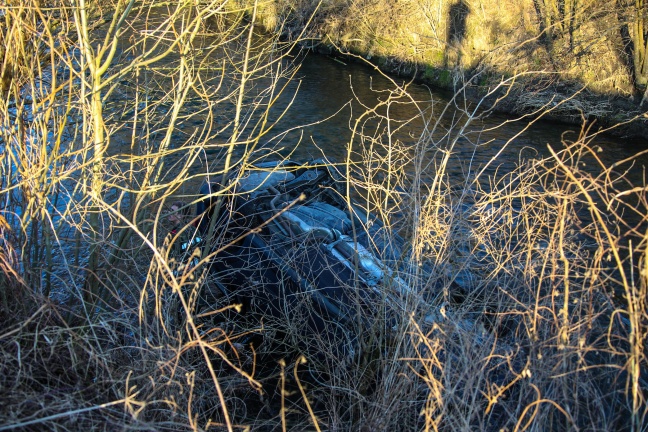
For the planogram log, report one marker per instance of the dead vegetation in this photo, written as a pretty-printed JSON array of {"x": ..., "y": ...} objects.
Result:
[{"x": 536, "y": 278}]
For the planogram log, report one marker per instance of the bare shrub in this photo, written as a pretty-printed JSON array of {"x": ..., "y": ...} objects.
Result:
[
  {"x": 536, "y": 304},
  {"x": 526, "y": 300},
  {"x": 549, "y": 250},
  {"x": 110, "y": 112}
]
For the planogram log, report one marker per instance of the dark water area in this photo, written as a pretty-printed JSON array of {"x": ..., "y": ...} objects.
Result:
[
  {"x": 327, "y": 95},
  {"x": 330, "y": 94},
  {"x": 315, "y": 115}
]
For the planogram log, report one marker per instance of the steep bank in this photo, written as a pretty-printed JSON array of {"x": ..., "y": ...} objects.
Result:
[{"x": 571, "y": 65}]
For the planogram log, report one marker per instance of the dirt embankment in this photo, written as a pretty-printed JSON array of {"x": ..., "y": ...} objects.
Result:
[{"x": 570, "y": 73}]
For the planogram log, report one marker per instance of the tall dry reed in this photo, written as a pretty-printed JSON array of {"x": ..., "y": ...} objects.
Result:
[{"x": 527, "y": 307}]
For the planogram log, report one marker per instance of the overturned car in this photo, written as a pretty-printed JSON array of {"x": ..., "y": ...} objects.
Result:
[{"x": 298, "y": 254}]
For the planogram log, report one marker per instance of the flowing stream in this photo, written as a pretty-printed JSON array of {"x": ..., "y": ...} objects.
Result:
[{"x": 325, "y": 99}]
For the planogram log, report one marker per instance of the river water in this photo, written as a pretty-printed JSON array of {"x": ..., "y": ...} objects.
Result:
[{"x": 330, "y": 94}]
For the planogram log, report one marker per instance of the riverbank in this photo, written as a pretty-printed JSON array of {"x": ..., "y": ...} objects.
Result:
[{"x": 579, "y": 75}]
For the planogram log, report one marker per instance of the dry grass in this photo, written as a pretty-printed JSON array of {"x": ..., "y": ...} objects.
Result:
[
  {"x": 534, "y": 280},
  {"x": 553, "y": 309},
  {"x": 99, "y": 134}
]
